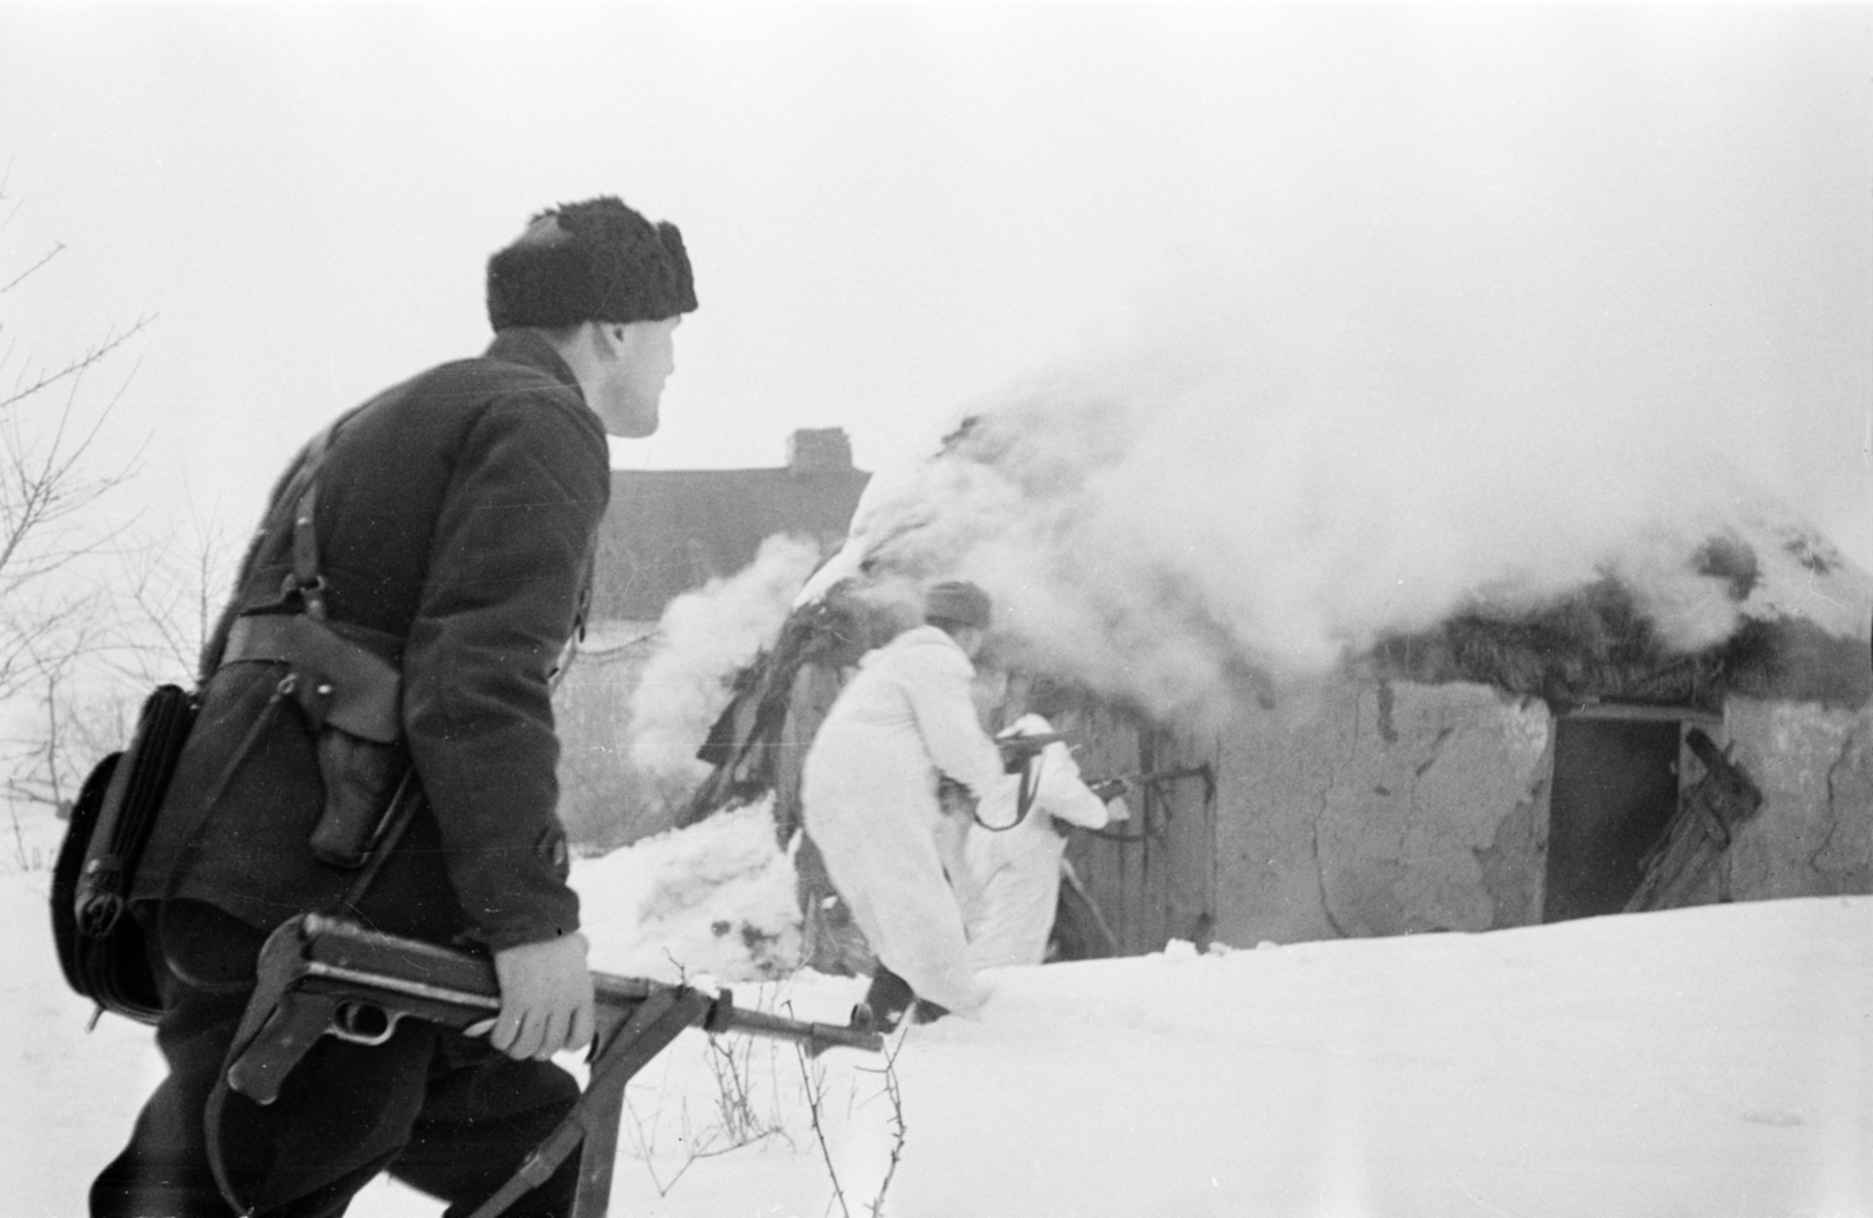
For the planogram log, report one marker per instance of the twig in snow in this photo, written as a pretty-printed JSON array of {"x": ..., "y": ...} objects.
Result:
[
  {"x": 815, "y": 1098},
  {"x": 895, "y": 1091}
]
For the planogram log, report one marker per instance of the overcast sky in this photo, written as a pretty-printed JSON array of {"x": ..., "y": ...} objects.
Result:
[{"x": 1654, "y": 217}]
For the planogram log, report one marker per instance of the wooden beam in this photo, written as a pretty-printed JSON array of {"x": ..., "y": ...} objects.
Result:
[{"x": 1638, "y": 712}]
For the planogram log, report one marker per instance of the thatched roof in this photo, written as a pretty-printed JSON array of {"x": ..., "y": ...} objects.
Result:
[{"x": 1801, "y": 635}]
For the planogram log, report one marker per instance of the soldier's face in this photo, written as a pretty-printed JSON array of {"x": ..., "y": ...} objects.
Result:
[
  {"x": 972, "y": 639},
  {"x": 638, "y": 359}
]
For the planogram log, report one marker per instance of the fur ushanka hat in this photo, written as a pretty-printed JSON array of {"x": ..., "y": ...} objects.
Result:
[
  {"x": 959, "y": 601},
  {"x": 591, "y": 261}
]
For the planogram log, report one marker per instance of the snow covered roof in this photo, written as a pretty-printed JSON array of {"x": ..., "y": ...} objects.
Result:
[{"x": 1798, "y": 631}]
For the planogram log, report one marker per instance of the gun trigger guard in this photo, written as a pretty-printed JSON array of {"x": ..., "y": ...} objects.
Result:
[{"x": 364, "y": 1023}]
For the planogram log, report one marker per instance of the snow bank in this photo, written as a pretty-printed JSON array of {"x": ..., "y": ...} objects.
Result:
[
  {"x": 1709, "y": 1063},
  {"x": 1714, "y": 1062},
  {"x": 713, "y": 900}
]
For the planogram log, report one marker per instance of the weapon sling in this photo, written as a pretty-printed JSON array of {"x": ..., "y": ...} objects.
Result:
[{"x": 1026, "y": 792}]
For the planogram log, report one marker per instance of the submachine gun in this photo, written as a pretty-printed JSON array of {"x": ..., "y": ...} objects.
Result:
[
  {"x": 1018, "y": 750},
  {"x": 320, "y": 975}
]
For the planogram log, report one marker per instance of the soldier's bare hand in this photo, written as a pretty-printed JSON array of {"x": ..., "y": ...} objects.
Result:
[{"x": 546, "y": 999}]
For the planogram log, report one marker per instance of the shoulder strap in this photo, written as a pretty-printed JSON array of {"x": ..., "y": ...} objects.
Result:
[
  {"x": 296, "y": 491},
  {"x": 299, "y": 489},
  {"x": 306, "y": 578}
]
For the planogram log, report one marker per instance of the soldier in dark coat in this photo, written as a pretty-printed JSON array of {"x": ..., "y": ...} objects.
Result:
[{"x": 405, "y": 637}]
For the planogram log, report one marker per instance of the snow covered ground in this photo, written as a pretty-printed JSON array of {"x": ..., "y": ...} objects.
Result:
[{"x": 1710, "y": 1063}]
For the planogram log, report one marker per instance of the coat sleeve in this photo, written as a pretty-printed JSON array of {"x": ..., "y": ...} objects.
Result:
[
  {"x": 1063, "y": 793},
  {"x": 507, "y": 566},
  {"x": 938, "y": 689}
]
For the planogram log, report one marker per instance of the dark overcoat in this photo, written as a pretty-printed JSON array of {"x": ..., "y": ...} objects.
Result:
[{"x": 455, "y": 525}]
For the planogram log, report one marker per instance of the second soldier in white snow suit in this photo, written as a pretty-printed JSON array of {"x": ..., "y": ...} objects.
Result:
[
  {"x": 1013, "y": 855},
  {"x": 869, "y": 802}
]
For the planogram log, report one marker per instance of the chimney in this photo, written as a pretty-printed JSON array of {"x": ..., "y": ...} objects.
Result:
[{"x": 819, "y": 450}]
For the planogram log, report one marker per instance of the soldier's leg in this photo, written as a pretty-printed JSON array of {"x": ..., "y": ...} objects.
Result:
[
  {"x": 164, "y": 1171},
  {"x": 926, "y": 1011},
  {"x": 342, "y": 1115},
  {"x": 889, "y": 997},
  {"x": 484, "y": 1113}
]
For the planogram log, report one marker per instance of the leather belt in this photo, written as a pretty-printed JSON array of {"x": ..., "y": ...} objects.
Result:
[{"x": 334, "y": 678}]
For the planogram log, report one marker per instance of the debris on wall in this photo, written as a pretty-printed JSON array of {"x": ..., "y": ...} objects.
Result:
[
  {"x": 1690, "y": 863},
  {"x": 1815, "y": 766}
]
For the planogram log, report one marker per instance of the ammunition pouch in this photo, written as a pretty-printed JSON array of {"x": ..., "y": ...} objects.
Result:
[
  {"x": 101, "y": 948},
  {"x": 350, "y": 695}
]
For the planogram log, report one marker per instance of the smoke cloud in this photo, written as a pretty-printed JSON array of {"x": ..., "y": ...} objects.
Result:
[
  {"x": 1155, "y": 520},
  {"x": 1454, "y": 331},
  {"x": 705, "y": 638},
  {"x": 1374, "y": 315},
  {"x": 1409, "y": 311}
]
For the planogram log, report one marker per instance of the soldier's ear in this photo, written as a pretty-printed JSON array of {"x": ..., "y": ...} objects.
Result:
[{"x": 602, "y": 340}]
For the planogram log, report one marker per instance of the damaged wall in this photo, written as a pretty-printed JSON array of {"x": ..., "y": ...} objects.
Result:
[
  {"x": 1378, "y": 809},
  {"x": 1814, "y": 834}
]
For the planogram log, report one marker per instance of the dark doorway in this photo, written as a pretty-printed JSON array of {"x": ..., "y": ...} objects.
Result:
[{"x": 1615, "y": 789}]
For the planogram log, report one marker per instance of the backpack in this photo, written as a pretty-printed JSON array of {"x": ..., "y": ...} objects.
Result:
[{"x": 102, "y": 949}]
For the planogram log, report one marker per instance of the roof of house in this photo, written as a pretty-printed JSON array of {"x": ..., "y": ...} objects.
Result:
[
  {"x": 670, "y": 531},
  {"x": 1800, "y": 633}
]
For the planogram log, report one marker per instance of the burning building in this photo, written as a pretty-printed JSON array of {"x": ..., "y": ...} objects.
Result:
[
  {"x": 695, "y": 568},
  {"x": 1361, "y": 679}
]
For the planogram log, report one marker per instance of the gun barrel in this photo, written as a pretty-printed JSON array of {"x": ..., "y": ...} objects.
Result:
[
  {"x": 817, "y": 1036},
  {"x": 1032, "y": 742}
]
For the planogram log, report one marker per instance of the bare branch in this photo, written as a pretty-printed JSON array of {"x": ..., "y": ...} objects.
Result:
[
  {"x": 815, "y": 1085},
  {"x": 64, "y": 639},
  {"x": 168, "y": 589},
  {"x": 894, "y": 1090},
  {"x": 24, "y": 275},
  {"x": 88, "y": 358},
  {"x": 6, "y": 177}
]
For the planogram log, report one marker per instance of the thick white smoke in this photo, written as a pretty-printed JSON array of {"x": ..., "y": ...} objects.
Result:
[
  {"x": 1412, "y": 309},
  {"x": 704, "y": 639},
  {"x": 1407, "y": 309},
  {"x": 1152, "y": 521}
]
